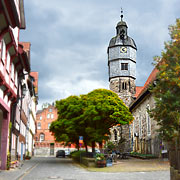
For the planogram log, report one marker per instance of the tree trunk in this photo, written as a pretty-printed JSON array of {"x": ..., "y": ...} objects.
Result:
[
  {"x": 100, "y": 146},
  {"x": 77, "y": 145},
  {"x": 93, "y": 146},
  {"x": 85, "y": 144}
]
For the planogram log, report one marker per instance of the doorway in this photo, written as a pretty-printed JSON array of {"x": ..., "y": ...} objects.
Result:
[{"x": 51, "y": 148}]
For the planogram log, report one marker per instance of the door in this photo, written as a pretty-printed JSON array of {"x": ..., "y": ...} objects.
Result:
[{"x": 52, "y": 149}]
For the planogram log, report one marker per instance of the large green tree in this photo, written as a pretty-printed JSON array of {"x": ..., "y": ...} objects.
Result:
[
  {"x": 68, "y": 127},
  {"x": 104, "y": 110},
  {"x": 167, "y": 89},
  {"x": 90, "y": 116}
]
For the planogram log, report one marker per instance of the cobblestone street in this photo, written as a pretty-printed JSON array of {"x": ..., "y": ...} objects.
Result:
[{"x": 43, "y": 168}]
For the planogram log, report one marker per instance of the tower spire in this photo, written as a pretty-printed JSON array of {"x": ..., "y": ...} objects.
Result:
[{"x": 121, "y": 14}]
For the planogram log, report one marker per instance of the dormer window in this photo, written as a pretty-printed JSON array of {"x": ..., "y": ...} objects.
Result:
[{"x": 124, "y": 66}]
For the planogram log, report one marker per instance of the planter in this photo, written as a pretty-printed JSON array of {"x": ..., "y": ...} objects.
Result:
[
  {"x": 28, "y": 157},
  {"x": 101, "y": 163}
]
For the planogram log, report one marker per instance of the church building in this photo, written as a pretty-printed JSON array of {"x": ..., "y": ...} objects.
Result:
[{"x": 141, "y": 135}]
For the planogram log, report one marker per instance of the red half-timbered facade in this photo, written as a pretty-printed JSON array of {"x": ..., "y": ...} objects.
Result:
[{"x": 13, "y": 62}]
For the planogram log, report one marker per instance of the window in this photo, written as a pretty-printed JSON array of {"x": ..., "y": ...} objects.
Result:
[
  {"x": 50, "y": 110},
  {"x": 124, "y": 86},
  {"x": 48, "y": 116},
  {"x": 115, "y": 135},
  {"x": 40, "y": 117},
  {"x": 52, "y": 116},
  {"x": 39, "y": 125},
  {"x": 148, "y": 121},
  {"x": 49, "y": 124},
  {"x": 124, "y": 66},
  {"x": 42, "y": 137},
  {"x": 140, "y": 127}
]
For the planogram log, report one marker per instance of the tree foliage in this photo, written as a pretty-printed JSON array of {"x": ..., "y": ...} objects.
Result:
[
  {"x": 167, "y": 89},
  {"x": 90, "y": 116}
]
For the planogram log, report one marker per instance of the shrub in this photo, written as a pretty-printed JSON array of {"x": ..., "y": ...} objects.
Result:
[
  {"x": 143, "y": 156},
  {"x": 100, "y": 157},
  {"x": 76, "y": 155}
]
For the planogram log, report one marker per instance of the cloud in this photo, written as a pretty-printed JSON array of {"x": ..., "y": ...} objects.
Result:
[{"x": 70, "y": 39}]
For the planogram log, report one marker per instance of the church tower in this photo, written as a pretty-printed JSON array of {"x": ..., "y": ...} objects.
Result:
[
  {"x": 122, "y": 63},
  {"x": 122, "y": 75}
]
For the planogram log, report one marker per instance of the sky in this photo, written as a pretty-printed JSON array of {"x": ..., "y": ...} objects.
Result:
[{"x": 69, "y": 40}]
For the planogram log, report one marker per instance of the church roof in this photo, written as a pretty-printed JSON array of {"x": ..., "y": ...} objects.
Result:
[
  {"x": 138, "y": 90},
  {"x": 122, "y": 23},
  {"x": 150, "y": 79},
  {"x": 117, "y": 41}
]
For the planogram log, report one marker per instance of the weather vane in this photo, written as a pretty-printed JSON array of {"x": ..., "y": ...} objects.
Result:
[{"x": 121, "y": 13}]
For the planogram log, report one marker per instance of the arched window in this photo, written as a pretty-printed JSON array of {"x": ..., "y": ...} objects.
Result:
[
  {"x": 148, "y": 120},
  {"x": 42, "y": 137},
  {"x": 124, "y": 86},
  {"x": 140, "y": 126},
  {"x": 115, "y": 135}
]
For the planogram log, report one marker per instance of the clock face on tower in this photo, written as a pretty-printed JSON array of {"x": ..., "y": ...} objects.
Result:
[{"x": 123, "y": 49}]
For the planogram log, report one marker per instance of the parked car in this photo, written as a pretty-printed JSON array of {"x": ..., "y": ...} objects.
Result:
[
  {"x": 60, "y": 153},
  {"x": 97, "y": 151},
  {"x": 67, "y": 152}
]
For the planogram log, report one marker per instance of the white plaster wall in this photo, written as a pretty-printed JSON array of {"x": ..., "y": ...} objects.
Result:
[
  {"x": 32, "y": 126},
  {"x": 115, "y": 68},
  {"x": 114, "y": 53},
  {"x": 17, "y": 7},
  {"x": 1, "y": 93},
  {"x": 29, "y": 143},
  {"x": 16, "y": 35}
]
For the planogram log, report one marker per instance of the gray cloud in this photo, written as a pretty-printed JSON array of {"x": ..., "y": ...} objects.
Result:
[{"x": 70, "y": 39}]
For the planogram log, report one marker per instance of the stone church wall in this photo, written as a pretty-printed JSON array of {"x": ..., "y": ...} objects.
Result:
[
  {"x": 144, "y": 133},
  {"x": 126, "y": 96}
]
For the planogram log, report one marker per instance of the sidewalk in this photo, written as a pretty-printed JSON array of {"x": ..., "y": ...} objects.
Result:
[
  {"x": 135, "y": 165},
  {"x": 15, "y": 174}
]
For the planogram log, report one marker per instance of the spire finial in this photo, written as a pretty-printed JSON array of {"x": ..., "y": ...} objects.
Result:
[{"x": 121, "y": 13}]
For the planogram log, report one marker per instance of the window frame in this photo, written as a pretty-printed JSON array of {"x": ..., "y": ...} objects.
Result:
[
  {"x": 38, "y": 127},
  {"x": 48, "y": 116},
  {"x": 40, "y": 137},
  {"x": 124, "y": 86},
  {"x": 52, "y": 116},
  {"x": 49, "y": 124},
  {"x": 124, "y": 66},
  {"x": 148, "y": 121}
]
